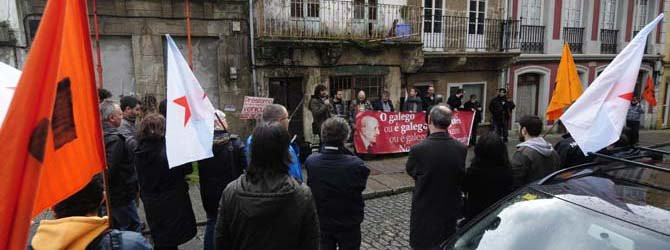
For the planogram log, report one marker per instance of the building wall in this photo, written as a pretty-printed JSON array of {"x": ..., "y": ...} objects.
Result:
[
  {"x": 316, "y": 64},
  {"x": 590, "y": 62},
  {"x": 133, "y": 44}
]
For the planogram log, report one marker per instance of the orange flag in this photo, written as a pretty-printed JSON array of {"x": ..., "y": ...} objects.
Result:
[
  {"x": 568, "y": 87},
  {"x": 51, "y": 137},
  {"x": 648, "y": 93}
]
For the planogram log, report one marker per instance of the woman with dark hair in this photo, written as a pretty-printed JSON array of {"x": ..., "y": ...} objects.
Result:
[
  {"x": 266, "y": 208},
  {"x": 164, "y": 191},
  {"x": 489, "y": 178}
]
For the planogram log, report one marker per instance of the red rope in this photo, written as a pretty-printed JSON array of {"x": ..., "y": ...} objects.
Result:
[
  {"x": 188, "y": 34},
  {"x": 97, "y": 44}
]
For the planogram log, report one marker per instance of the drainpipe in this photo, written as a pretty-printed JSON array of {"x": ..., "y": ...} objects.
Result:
[{"x": 253, "y": 54}]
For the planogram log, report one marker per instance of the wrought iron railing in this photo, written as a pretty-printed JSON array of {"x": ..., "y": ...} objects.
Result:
[
  {"x": 457, "y": 33},
  {"x": 608, "y": 41},
  {"x": 337, "y": 20},
  {"x": 575, "y": 38},
  {"x": 532, "y": 39}
]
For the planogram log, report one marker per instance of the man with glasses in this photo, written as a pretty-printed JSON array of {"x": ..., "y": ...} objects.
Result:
[{"x": 275, "y": 113}]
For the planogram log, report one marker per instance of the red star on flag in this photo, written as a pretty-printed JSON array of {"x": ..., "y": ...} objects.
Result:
[
  {"x": 182, "y": 101},
  {"x": 627, "y": 96}
]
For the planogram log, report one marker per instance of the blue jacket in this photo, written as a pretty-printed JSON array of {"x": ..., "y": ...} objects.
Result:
[{"x": 294, "y": 169}]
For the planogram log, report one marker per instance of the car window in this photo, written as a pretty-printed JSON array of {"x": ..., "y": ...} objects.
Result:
[{"x": 532, "y": 220}]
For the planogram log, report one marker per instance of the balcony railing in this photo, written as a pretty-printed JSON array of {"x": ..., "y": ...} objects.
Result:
[
  {"x": 608, "y": 41},
  {"x": 337, "y": 20},
  {"x": 575, "y": 38},
  {"x": 532, "y": 39},
  {"x": 457, "y": 34}
]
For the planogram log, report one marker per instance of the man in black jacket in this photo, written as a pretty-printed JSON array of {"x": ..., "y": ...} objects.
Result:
[
  {"x": 123, "y": 186},
  {"x": 428, "y": 100},
  {"x": 501, "y": 109},
  {"x": 215, "y": 173},
  {"x": 455, "y": 100},
  {"x": 320, "y": 107},
  {"x": 384, "y": 104},
  {"x": 337, "y": 179},
  {"x": 437, "y": 164}
]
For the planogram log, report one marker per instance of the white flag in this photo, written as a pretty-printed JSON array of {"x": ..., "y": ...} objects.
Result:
[
  {"x": 596, "y": 119},
  {"x": 190, "y": 114},
  {"x": 9, "y": 77}
]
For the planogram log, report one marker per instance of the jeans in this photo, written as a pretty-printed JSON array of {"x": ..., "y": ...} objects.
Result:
[
  {"x": 500, "y": 128},
  {"x": 209, "y": 233},
  {"x": 345, "y": 240},
  {"x": 125, "y": 218}
]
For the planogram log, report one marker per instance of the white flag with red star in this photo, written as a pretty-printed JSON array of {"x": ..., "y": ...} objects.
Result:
[
  {"x": 596, "y": 119},
  {"x": 189, "y": 123}
]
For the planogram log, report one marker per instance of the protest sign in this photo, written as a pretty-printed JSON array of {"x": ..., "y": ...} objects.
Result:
[
  {"x": 253, "y": 107},
  {"x": 379, "y": 132},
  {"x": 461, "y": 126}
]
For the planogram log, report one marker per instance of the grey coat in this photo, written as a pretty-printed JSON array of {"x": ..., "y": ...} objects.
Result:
[{"x": 635, "y": 112}]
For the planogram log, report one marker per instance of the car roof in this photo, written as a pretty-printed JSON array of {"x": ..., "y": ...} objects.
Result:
[{"x": 635, "y": 190}]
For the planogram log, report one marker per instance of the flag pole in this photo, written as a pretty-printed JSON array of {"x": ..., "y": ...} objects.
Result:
[
  {"x": 105, "y": 180},
  {"x": 97, "y": 44},
  {"x": 188, "y": 34}
]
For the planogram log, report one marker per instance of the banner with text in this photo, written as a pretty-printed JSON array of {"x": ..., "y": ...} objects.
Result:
[
  {"x": 379, "y": 132},
  {"x": 253, "y": 107}
]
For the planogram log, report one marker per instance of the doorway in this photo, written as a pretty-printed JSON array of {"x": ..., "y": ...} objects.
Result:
[
  {"x": 289, "y": 92},
  {"x": 528, "y": 93}
]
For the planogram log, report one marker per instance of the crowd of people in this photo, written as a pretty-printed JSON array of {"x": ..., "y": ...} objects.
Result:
[
  {"x": 322, "y": 107},
  {"x": 255, "y": 195}
]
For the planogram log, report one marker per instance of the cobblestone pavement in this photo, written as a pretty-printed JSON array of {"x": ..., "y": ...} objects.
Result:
[{"x": 386, "y": 224}]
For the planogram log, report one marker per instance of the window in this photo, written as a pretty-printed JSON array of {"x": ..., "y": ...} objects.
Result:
[
  {"x": 573, "y": 13},
  {"x": 299, "y": 7},
  {"x": 432, "y": 18},
  {"x": 531, "y": 12},
  {"x": 312, "y": 8},
  {"x": 641, "y": 10},
  {"x": 476, "y": 15},
  {"x": 470, "y": 88},
  {"x": 609, "y": 14},
  {"x": 350, "y": 85},
  {"x": 360, "y": 7},
  {"x": 296, "y": 8}
]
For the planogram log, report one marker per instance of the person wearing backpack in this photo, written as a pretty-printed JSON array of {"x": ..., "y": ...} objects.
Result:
[
  {"x": 215, "y": 173},
  {"x": 77, "y": 225}
]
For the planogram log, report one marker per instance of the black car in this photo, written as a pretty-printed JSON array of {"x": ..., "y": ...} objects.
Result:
[{"x": 618, "y": 203}]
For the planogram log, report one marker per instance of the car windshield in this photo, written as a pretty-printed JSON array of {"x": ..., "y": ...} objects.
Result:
[{"x": 532, "y": 220}]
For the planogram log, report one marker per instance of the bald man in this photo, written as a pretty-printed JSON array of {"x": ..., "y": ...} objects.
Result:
[{"x": 368, "y": 133}]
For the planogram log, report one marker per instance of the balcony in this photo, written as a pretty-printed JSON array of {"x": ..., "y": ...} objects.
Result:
[
  {"x": 608, "y": 41},
  {"x": 575, "y": 38},
  {"x": 463, "y": 34},
  {"x": 357, "y": 20},
  {"x": 532, "y": 39}
]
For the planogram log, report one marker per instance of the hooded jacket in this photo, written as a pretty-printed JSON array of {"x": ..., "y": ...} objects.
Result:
[
  {"x": 276, "y": 212},
  {"x": 320, "y": 112},
  {"x": 533, "y": 160},
  {"x": 84, "y": 232}
]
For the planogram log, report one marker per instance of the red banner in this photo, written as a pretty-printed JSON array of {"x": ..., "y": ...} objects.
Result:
[{"x": 379, "y": 132}]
